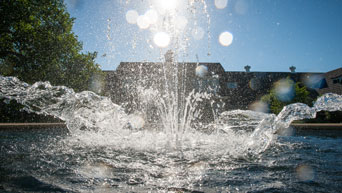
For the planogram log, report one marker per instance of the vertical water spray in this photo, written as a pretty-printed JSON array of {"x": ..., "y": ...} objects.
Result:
[{"x": 169, "y": 24}]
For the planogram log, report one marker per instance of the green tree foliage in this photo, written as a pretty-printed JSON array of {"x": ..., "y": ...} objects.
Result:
[
  {"x": 300, "y": 94},
  {"x": 37, "y": 44}
]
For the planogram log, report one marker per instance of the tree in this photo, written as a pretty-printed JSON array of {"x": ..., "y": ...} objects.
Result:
[
  {"x": 286, "y": 92},
  {"x": 37, "y": 44}
]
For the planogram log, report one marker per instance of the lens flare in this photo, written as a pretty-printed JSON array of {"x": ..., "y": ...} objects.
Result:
[
  {"x": 315, "y": 81},
  {"x": 136, "y": 121},
  {"x": 180, "y": 22},
  {"x": 132, "y": 16},
  {"x": 288, "y": 131},
  {"x": 162, "y": 39},
  {"x": 221, "y": 4},
  {"x": 226, "y": 38},
  {"x": 259, "y": 106},
  {"x": 284, "y": 90},
  {"x": 143, "y": 22},
  {"x": 152, "y": 16},
  {"x": 305, "y": 173},
  {"x": 241, "y": 7},
  {"x": 254, "y": 84},
  {"x": 96, "y": 84}
]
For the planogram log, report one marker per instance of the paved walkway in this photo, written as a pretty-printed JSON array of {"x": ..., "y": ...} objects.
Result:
[{"x": 318, "y": 126}]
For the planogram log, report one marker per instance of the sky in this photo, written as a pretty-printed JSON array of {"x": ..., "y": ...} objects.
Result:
[{"x": 268, "y": 35}]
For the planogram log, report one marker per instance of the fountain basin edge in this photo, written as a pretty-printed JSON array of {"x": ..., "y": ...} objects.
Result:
[{"x": 301, "y": 126}]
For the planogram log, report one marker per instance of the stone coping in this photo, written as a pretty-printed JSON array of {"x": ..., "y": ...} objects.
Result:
[
  {"x": 31, "y": 125},
  {"x": 318, "y": 126},
  {"x": 314, "y": 126}
]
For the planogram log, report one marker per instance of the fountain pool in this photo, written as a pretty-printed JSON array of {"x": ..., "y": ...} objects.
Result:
[
  {"x": 109, "y": 148},
  {"x": 50, "y": 161},
  {"x": 101, "y": 151}
]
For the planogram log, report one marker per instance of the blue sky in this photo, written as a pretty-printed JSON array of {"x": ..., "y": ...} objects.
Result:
[{"x": 268, "y": 35}]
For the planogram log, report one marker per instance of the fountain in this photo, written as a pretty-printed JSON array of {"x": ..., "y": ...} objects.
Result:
[
  {"x": 107, "y": 149},
  {"x": 161, "y": 141}
]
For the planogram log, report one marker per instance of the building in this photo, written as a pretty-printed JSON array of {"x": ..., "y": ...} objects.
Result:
[
  {"x": 333, "y": 81},
  {"x": 238, "y": 90}
]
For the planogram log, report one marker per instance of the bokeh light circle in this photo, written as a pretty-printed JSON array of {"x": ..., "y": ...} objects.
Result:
[
  {"x": 162, "y": 39},
  {"x": 221, "y": 4},
  {"x": 136, "y": 121},
  {"x": 259, "y": 106},
  {"x": 226, "y": 38},
  {"x": 143, "y": 22},
  {"x": 201, "y": 71},
  {"x": 132, "y": 16},
  {"x": 255, "y": 84},
  {"x": 241, "y": 7},
  {"x": 285, "y": 90},
  {"x": 305, "y": 173},
  {"x": 152, "y": 16},
  {"x": 180, "y": 22}
]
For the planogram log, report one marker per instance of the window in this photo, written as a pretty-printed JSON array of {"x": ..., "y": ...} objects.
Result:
[
  {"x": 337, "y": 80},
  {"x": 232, "y": 85}
]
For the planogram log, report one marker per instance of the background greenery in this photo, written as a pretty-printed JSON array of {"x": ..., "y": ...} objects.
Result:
[
  {"x": 301, "y": 95},
  {"x": 37, "y": 44}
]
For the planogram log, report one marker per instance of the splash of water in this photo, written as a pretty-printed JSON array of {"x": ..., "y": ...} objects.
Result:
[
  {"x": 84, "y": 110},
  {"x": 297, "y": 111},
  {"x": 95, "y": 120}
]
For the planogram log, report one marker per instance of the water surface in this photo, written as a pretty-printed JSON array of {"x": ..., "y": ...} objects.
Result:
[{"x": 52, "y": 161}]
